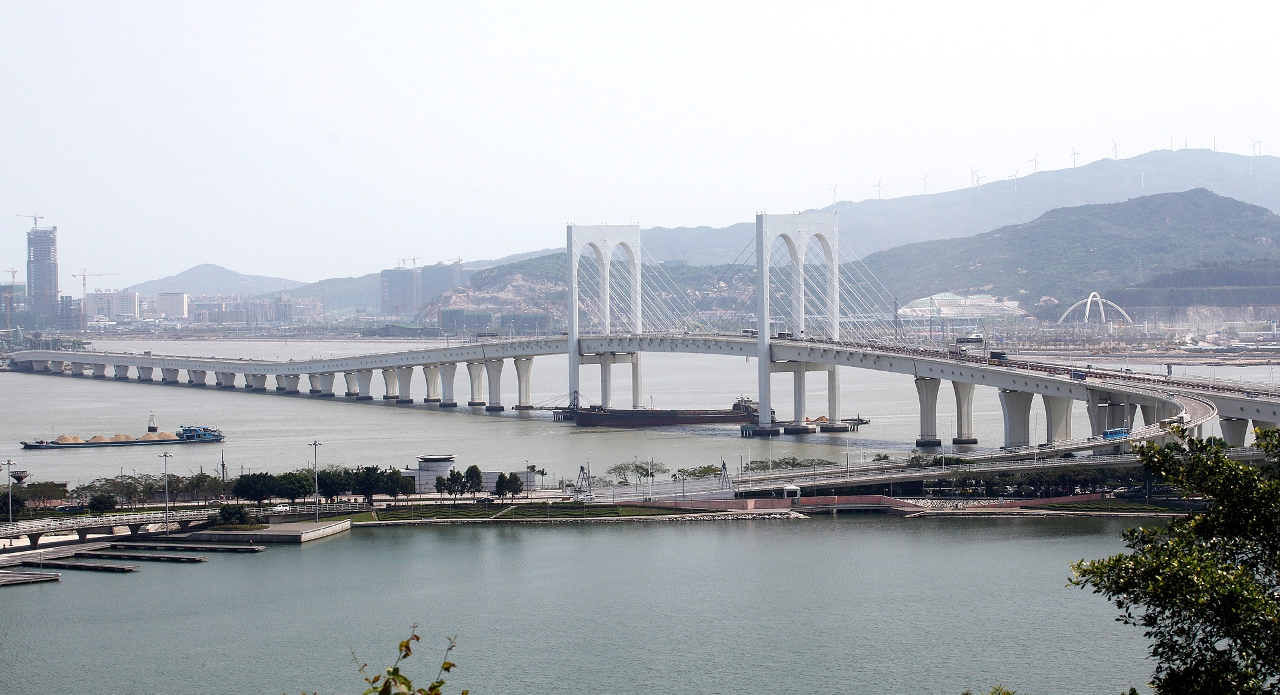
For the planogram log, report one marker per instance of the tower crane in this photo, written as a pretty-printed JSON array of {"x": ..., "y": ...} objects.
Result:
[
  {"x": 35, "y": 219},
  {"x": 84, "y": 276}
]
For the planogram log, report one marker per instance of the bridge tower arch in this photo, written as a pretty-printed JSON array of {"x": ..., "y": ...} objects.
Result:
[
  {"x": 796, "y": 231},
  {"x": 601, "y": 242}
]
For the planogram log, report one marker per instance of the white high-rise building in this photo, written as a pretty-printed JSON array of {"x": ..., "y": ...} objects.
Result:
[{"x": 173, "y": 305}]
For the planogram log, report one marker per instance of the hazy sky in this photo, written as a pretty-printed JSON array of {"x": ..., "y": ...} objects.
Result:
[{"x": 310, "y": 140}]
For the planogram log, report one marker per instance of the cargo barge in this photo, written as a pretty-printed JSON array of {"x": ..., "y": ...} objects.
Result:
[
  {"x": 744, "y": 411},
  {"x": 187, "y": 434}
]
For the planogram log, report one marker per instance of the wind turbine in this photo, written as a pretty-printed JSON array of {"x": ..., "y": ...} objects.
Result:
[
  {"x": 925, "y": 179},
  {"x": 833, "y": 193},
  {"x": 1015, "y": 179},
  {"x": 1073, "y": 156},
  {"x": 879, "y": 189},
  {"x": 972, "y": 175},
  {"x": 979, "y": 177},
  {"x": 1257, "y": 147},
  {"x": 1115, "y": 149},
  {"x": 1035, "y": 163}
]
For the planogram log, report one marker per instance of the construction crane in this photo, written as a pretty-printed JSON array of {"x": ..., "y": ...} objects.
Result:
[
  {"x": 35, "y": 220},
  {"x": 84, "y": 276}
]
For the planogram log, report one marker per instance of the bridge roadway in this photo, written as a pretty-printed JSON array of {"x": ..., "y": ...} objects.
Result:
[{"x": 1111, "y": 396}]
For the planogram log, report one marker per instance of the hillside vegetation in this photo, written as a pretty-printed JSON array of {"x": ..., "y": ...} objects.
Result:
[{"x": 1067, "y": 253}]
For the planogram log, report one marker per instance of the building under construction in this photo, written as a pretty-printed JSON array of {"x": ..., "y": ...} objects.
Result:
[{"x": 42, "y": 271}]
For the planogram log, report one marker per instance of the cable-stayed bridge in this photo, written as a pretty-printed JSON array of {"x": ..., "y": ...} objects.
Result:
[{"x": 792, "y": 303}]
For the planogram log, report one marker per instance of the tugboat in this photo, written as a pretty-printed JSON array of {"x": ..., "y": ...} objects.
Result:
[
  {"x": 187, "y": 434},
  {"x": 743, "y": 411}
]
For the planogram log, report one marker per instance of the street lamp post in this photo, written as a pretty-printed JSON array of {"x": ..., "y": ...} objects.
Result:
[
  {"x": 315, "y": 463},
  {"x": 166, "y": 456},
  {"x": 9, "y": 483}
]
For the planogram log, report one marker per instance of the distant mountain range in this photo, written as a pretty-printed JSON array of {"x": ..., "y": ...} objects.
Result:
[
  {"x": 1065, "y": 254},
  {"x": 212, "y": 280},
  {"x": 1045, "y": 264},
  {"x": 872, "y": 226}
]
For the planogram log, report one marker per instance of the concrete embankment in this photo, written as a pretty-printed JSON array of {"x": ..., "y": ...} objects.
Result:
[{"x": 707, "y": 516}]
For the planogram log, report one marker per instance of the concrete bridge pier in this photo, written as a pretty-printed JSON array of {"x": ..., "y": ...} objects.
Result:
[
  {"x": 833, "y": 423},
  {"x": 798, "y": 405},
  {"x": 636, "y": 383},
  {"x": 964, "y": 413},
  {"x": 168, "y": 376},
  {"x": 121, "y": 371},
  {"x": 99, "y": 371},
  {"x": 353, "y": 385},
  {"x": 220, "y": 380},
  {"x": 259, "y": 382},
  {"x": 34, "y": 539},
  {"x": 1017, "y": 417},
  {"x": 927, "y": 392},
  {"x": 39, "y": 365},
  {"x": 606, "y": 378},
  {"x": 447, "y": 374},
  {"x": 279, "y": 379},
  {"x": 523, "y": 366},
  {"x": 431, "y": 372},
  {"x": 77, "y": 368},
  {"x": 313, "y": 382},
  {"x": 1057, "y": 418},
  {"x": 248, "y": 382},
  {"x": 390, "y": 385},
  {"x": 196, "y": 377},
  {"x": 1234, "y": 430},
  {"x": 144, "y": 374},
  {"x": 494, "y": 370},
  {"x": 475, "y": 370},
  {"x": 364, "y": 378},
  {"x": 290, "y": 382},
  {"x": 404, "y": 382},
  {"x": 326, "y": 385}
]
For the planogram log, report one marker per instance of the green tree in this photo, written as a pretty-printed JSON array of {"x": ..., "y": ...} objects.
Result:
[
  {"x": 234, "y": 515},
  {"x": 255, "y": 486},
  {"x": 202, "y": 486},
  {"x": 42, "y": 493},
  {"x": 295, "y": 484},
  {"x": 474, "y": 480},
  {"x": 441, "y": 484},
  {"x": 515, "y": 485},
  {"x": 367, "y": 481},
  {"x": 621, "y": 472},
  {"x": 334, "y": 481},
  {"x": 1206, "y": 588},
  {"x": 455, "y": 484},
  {"x": 500, "y": 486},
  {"x": 102, "y": 502},
  {"x": 396, "y": 484}
]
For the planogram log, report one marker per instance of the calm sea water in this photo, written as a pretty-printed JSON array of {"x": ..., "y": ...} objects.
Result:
[
  {"x": 865, "y": 604},
  {"x": 870, "y": 604},
  {"x": 271, "y": 432}
]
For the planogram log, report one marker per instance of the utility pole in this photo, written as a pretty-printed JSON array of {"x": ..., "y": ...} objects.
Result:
[
  {"x": 315, "y": 462},
  {"x": 166, "y": 456},
  {"x": 9, "y": 480}
]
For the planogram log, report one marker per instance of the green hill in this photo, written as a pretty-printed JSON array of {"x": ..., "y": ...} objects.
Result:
[{"x": 1067, "y": 253}]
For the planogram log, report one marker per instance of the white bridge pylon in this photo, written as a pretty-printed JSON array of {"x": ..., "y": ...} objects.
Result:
[
  {"x": 601, "y": 242},
  {"x": 796, "y": 231}
]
